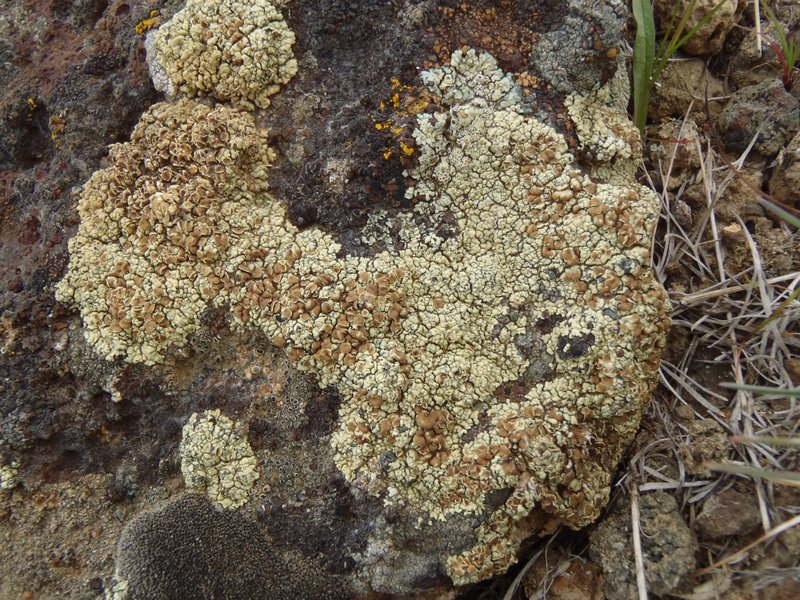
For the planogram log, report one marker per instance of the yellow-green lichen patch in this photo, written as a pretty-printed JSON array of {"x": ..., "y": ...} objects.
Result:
[
  {"x": 217, "y": 460},
  {"x": 542, "y": 284},
  {"x": 9, "y": 476},
  {"x": 608, "y": 139},
  {"x": 156, "y": 223},
  {"x": 239, "y": 51}
]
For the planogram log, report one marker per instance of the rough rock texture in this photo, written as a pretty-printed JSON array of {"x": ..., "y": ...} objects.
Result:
[
  {"x": 686, "y": 86},
  {"x": 190, "y": 549},
  {"x": 58, "y": 538},
  {"x": 710, "y": 37},
  {"x": 571, "y": 67},
  {"x": 401, "y": 343},
  {"x": 749, "y": 65},
  {"x": 667, "y": 544},
  {"x": 580, "y": 580},
  {"x": 478, "y": 435},
  {"x": 784, "y": 185},
  {"x": 766, "y": 109},
  {"x": 676, "y": 152},
  {"x": 728, "y": 514}
]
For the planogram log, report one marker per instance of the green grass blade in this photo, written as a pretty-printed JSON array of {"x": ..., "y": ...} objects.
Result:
[
  {"x": 760, "y": 389},
  {"x": 783, "y": 214},
  {"x": 776, "y": 25},
  {"x": 644, "y": 48},
  {"x": 678, "y": 38},
  {"x": 787, "y": 477},
  {"x": 783, "y": 442}
]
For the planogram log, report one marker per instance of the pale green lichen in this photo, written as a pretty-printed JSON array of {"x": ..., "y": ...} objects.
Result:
[
  {"x": 9, "y": 476},
  {"x": 481, "y": 82},
  {"x": 489, "y": 361},
  {"x": 217, "y": 460},
  {"x": 238, "y": 51},
  {"x": 608, "y": 139},
  {"x": 118, "y": 590}
]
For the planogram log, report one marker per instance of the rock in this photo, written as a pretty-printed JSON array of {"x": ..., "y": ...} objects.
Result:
[
  {"x": 748, "y": 66},
  {"x": 751, "y": 65},
  {"x": 784, "y": 185},
  {"x": 707, "y": 442},
  {"x": 766, "y": 109},
  {"x": 579, "y": 580},
  {"x": 676, "y": 153},
  {"x": 188, "y": 548},
  {"x": 668, "y": 546},
  {"x": 434, "y": 448},
  {"x": 709, "y": 38},
  {"x": 61, "y": 538},
  {"x": 570, "y": 67},
  {"x": 414, "y": 492},
  {"x": 740, "y": 200},
  {"x": 728, "y": 514},
  {"x": 686, "y": 85}
]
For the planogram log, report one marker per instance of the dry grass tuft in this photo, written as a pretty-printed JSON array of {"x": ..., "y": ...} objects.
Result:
[{"x": 737, "y": 327}]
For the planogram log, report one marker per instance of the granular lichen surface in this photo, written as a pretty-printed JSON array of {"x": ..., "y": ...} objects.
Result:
[
  {"x": 217, "y": 460},
  {"x": 514, "y": 355},
  {"x": 238, "y": 51}
]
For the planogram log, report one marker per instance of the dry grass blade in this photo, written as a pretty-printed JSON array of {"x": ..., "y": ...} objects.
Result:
[
  {"x": 762, "y": 389},
  {"x": 739, "y": 554},
  {"x": 785, "y": 442},
  {"x": 512, "y": 589},
  {"x": 743, "y": 326},
  {"x": 636, "y": 531}
]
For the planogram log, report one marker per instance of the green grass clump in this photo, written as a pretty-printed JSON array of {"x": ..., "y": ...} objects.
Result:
[
  {"x": 786, "y": 49},
  {"x": 650, "y": 61}
]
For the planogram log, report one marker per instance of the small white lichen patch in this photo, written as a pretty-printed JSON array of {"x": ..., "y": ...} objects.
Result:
[
  {"x": 118, "y": 590},
  {"x": 217, "y": 460},
  {"x": 9, "y": 476},
  {"x": 473, "y": 78},
  {"x": 239, "y": 51}
]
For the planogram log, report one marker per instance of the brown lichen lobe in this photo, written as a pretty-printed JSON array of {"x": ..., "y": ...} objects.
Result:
[{"x": 417, "y": 341}]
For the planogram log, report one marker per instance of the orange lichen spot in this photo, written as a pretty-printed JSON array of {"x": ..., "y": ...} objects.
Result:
[
  {"x": 404, "y": 104},
  {"x": 56, "y": 129},
  {"x": 152, "y": 21}
]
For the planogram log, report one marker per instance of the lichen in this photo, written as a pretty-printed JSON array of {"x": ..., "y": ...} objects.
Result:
[
  {"x": 9, "y": 476},
  {"x": 239, "y": 51},
  {"x": 609, "y": 141},
  {"x": 473, "y": 78},
  {"x": 514, "y": 355},
  {"x": 217, "y": 460},
  {"x": 156, "y": 221}
]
